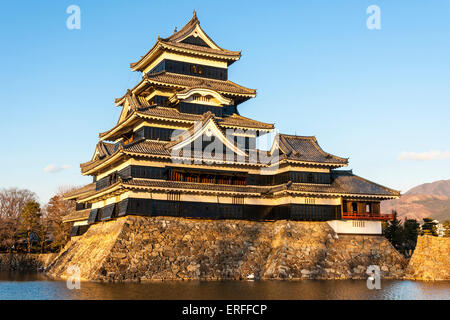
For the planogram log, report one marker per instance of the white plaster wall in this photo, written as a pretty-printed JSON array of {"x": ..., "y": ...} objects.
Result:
[
  {"x": 356, "y": 226},
  {"x": 80, "y": 223}
]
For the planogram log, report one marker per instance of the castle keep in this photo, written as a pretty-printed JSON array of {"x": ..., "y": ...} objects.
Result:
[{"x": 180, "y": 148}]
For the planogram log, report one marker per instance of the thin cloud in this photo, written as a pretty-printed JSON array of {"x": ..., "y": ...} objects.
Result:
[
  {"x": 424, "y": 156},
  {"x": 51, "y": 168}
]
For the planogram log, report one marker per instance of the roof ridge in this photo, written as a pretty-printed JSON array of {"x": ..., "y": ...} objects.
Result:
[
  {"x": 209, "y": 50},
  {"x": 189, "y": 27},
  {"x": 192, "y": 22},
  {"x": 297, "y": 137},
  {"x": 284, "y": 143}
]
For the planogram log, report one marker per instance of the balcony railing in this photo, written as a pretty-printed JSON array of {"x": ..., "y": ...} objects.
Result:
[{"x": 367, "y": 216}]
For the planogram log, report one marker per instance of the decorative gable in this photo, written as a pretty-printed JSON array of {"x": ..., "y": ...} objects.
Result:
[
  {"x": 202, "y": 96},
  {"x": 193, "y": 34},
  {"x": 102, "y": 150},
  {"x": 205, "y": 140}
]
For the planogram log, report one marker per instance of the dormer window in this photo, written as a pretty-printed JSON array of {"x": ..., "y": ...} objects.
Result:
[{"x": 127, "y": 139}]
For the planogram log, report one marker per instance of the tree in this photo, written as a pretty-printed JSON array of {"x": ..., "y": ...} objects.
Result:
[
  {"x": 56, "y": 209},
  {"x": 411, "y": 229},
  {"x": 12, "y": 203},
  {"x": 43, "y": 230},
  {"x": 429, "y": 227},
  {"x": 29, "y": 221},
  {"x": 394, "y": 231}
]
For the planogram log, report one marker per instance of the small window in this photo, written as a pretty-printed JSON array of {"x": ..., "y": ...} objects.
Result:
[
  {"x": 354, "y": 207},
  {"x": 358, "y": 224},
  {"x": 344, "y": 206},
  {"x": 368, "y": 208},
  {"x": 310, "y": 178}
]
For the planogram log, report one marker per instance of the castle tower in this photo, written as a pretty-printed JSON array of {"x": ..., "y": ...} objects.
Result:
[{"x": 181, "y": 148}]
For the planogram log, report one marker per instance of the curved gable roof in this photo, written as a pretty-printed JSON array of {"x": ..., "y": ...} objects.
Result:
[
  {"x": 208, "y": 124},
  {"x": 305, "y": 148},
  {"x": 176, "y": 42}
]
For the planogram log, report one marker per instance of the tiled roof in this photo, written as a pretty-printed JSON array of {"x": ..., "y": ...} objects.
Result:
[
  {"x": 172, "y": 114},
  {"x": 174, "y": 42},
  {"x": 187, "y": 30},
  {"x": 193, "y": 186},
  {"x": 185, "y": 48},
  {"x": 240, "y": 121},
  {"x": 186, "y": 81},
  {"x": 345, "y": 182},
  {"x": 147, "y": 147},
  {"x": 188, "y": 46},
  {"x": 77, "y": 215},
  {"x": 234, "y": 120},
  {"x": 292, "y": 147},
  {"x": 142, "y": 146},
  {"x": 136, "y": 102},
  {"x": 305, "y": 149},
  {"x": 80, "y": 191},
  {"x": 86, "y": 166},
  {"x": 105, "y": 149},
  {"x": 139, "y": 146}
]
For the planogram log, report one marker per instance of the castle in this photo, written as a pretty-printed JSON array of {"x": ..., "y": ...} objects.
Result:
[{"x": 180, "y": 148}]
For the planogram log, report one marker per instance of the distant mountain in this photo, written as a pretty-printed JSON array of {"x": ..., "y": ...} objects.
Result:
[
  {"x": 441, "y": 187},
  {"x": 426, "y": 200}
]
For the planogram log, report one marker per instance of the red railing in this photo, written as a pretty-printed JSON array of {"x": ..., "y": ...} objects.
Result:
[{"x": 367, "y": 216}]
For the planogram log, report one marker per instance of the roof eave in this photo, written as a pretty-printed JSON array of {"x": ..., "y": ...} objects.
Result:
[
  {"x": 109, "y": 135},
  {"x": 102, "y": 163},
  {"x": 161, "y": 46}
]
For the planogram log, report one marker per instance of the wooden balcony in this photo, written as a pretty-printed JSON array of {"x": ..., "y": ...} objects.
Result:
[{"x": 367, "y": 216}]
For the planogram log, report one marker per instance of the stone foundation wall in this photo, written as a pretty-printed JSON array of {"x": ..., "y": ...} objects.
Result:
[
  {"x": 25, "y": 262},
  {"x": 166, "y": 248},
  {"x": 430, "y": 260},
  {"x": 89, "y": 251}
]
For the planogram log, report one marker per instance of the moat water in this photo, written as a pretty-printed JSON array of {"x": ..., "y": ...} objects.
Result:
[{"x": 15, "y": 286}]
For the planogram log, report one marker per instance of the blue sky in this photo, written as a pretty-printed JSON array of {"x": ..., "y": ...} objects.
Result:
[{"x": 379, "y": 97}]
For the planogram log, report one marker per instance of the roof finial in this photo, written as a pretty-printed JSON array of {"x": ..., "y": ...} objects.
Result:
[
  {"x": 195, "y": 14},
  {"x": 175, "y": 30}
]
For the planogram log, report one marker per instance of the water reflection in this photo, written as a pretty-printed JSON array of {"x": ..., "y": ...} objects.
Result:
[{"x": 36, "y": 286}]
